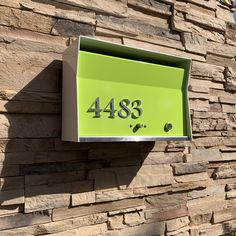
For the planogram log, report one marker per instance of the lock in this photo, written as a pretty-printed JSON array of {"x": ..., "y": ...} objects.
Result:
[
  {"x": 168, "y": 127},
  {"x": 139, "y": 125}
]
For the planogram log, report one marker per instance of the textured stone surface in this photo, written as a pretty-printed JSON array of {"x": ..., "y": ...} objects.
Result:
[
  {"x": 20, "y": 220},
  {"x": 178, "y": 223},
  {"x": 83, "y": 198},
  {"x": 129, "y": 188},
  {"x": 65, "y": 213},
  {"x": 189, "y": 168},
  {"x": 224, "y": 215}
]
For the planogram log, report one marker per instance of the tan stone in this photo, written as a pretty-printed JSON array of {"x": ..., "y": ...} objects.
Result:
[
  {"x": 127, "y": 210},
  {"x": 134, "y": 219},
  {"x": 202, "y": 19},
  {"x": 225, "y": 172},
  {"x": 199, "y": 105},
  {"x": 221, "y": 49},
  {"x": 12, "y": 197},
  {"x": 26, "y": 20},
  {"x": 229, "y": 100},
  {"x": 229, "y": 108},
  {"x": 191, "y": 178},
  {"x": 169, "y": 213},
  {"x": 59, "y": 10},
  {"x": 224, "y": 215},
  {"x": 215, "y": 73},
  {"x": 132, "y": 177},
  {"x": 224, "y": 14},
  {"x": 152, "y": 158},
  {"x": 231, "y": 194},
  {"x": 200, "y": 219},
  {"x": 118, "y": 8},
  {"x": 205, "y": 205},
  {"x": 46, "y": 197},
  {"x": 195, "y": 43},
  {"x": 188, "y": 168},
  {"x": 83, "y": 198},
  {"x": 210, "y": 190},
  {"x": 180, "y": 232},
  {"x": 206, "y": 155},
  {"x": 156, "y": 228},
  {"x": 98, "y": 229},
  {"x": 65, "y": 213},
  {"x": 114, "y": 195},
  {"x": 116, "y": 222},
  {"x": 175, "y": 224}
]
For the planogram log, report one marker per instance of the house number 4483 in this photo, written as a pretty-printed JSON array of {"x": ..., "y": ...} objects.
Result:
[{"x": 126, "y": 109}]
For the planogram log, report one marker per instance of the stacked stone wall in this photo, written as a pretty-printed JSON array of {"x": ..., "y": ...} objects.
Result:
[{"x": 145, "y": 188}]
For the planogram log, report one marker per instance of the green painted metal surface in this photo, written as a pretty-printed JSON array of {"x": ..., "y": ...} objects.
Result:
[{"x": 159, "y": 88}]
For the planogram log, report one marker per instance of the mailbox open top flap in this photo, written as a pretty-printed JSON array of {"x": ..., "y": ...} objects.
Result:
[{"x": 113, "y": 92}]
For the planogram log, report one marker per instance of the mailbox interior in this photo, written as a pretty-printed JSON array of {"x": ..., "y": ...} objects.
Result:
[{"x": 108, "y": 70}]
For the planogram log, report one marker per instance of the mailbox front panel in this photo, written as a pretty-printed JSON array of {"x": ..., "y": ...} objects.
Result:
[{"x": 119, "y": 97}]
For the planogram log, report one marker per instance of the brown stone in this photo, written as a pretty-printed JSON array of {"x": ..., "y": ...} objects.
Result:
[
  {"x": 230, "y": 84},
  {"x": 152, "y": 6},
  {"x": 191, "y": 177},
  {"x": 29, "y": 126},
  {"x": 21, "y": 220},
  {"x": 200, "y": 219},
  {"x": 168, "y": 214},
  {"x": 68, "y": 28},
  {"x": 188, "y": 168},
  {"x": 26, "y": 20},
  {"x": 156, "y": 228},
  {"x": 9, "y": 170},
  {"x": 59, "y": 10},
  {"x": 118, "y": 8},
  {"x": 65, "y": 213},
  {"x": 205, "y": 155},
  {"x": 132, "y": 177},
  {"x": 225, "y": 172}
]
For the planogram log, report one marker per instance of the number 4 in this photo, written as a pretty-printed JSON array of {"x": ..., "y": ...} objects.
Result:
[
  {"x": 110, "y": 107},
  {"x": 95, "y": 107}
]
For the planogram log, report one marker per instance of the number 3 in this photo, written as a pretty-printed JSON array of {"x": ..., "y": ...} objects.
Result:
[{"x": 137, "y": 108}]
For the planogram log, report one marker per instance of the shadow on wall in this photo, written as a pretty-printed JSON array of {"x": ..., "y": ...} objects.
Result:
[{"x": 40, "y": 171}]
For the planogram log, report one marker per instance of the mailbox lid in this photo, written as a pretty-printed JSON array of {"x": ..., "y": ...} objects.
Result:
[{"x": 158, "y": 87}]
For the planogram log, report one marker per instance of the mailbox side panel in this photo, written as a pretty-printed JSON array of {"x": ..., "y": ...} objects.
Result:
[{"x": 69, "y": 94}]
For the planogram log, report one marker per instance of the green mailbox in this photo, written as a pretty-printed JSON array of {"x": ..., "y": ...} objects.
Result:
[{"x": 114, "y": 92}]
